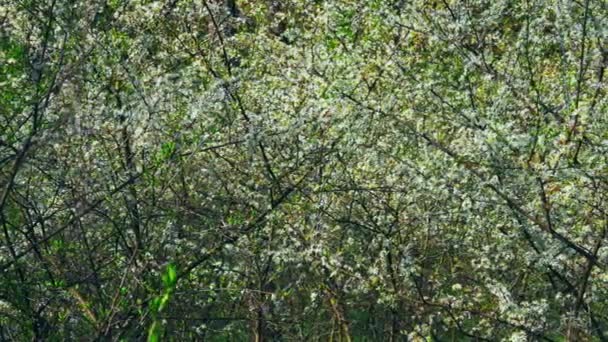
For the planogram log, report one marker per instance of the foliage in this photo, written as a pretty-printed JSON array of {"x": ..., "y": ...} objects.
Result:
[{"x": 303, "y": 170}]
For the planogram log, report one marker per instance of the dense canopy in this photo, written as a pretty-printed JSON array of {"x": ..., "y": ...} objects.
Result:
[{"x": 370, "y": 170}]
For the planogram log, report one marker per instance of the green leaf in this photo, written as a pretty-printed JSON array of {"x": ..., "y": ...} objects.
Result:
[
  {"x": 163, "y": 301},
  {"x": 154, "y": 332},
  {"x": 155, "y": 304},
  {"x": 170, "y": 276}
]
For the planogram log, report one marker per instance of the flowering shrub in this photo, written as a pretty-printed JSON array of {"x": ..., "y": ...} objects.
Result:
[{"x": 303, "y": 170}]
